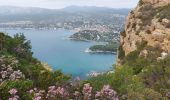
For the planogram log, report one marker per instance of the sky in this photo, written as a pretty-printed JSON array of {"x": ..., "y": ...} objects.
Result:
[{"x": 57, "y": 4}]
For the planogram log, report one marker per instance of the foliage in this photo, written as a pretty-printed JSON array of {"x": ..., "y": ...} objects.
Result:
[
  {"x": 139, "y": 78},
  {"x": 18, "y": 69},
  {"x": 99, "y": 81},
  {"x": 107, "y": 47},
  {"x": 16, "y": 60},
  {"x": 121, "y": 52},
  {"x": 123, "y": 79},
  {"x": 21, "y": 85},
  {"x": 145, "y": 94},
  {"x": 134, "y": 60}
]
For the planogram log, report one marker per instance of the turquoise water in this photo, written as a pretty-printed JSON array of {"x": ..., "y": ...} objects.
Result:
[{"x": 53, "y": 47}]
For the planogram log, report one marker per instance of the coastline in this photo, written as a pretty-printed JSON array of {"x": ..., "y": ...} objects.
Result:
[
  {"x": 99, "y": 51},
  {"x": 74, "y": 39}
]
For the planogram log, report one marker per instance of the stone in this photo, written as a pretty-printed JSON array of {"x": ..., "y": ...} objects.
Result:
[{"x": 151, "y": 28}]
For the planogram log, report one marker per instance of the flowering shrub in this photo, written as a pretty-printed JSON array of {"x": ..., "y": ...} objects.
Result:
[
  {"x": 57, "y": 92},
  {"x": 13, "y": 94},
  {"x": 52, "y": 93},
  {"x": 6, "y": 69},
  {"x": 60, "y": 93},
  {"x": 20, "y": 72},
  {"x": 106, "y": 93},
  {"x": 7, "y": 72},
  {"x": 87, "y": 91},
  {"x": 37, "y": 94}
]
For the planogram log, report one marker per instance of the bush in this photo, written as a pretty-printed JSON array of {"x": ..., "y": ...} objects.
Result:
[
  {"x": 99, "y": 81},
  {"x": 123, "y": 78},
  {"x": 145, "y": 94},
  {"x": 21, "y": 85},
  {"x": 121, "y": 52}
]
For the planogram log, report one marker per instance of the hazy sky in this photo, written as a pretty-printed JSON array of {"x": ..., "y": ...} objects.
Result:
[{"x": 55, "y": 4}]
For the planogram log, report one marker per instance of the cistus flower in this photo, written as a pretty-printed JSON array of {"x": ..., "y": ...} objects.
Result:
[
  {"x": 13, "y": 99},
  {"x": 57, "y": 92},
  {"x": 7, "y": 72},
  {"x": 107, "y": 93},
  {"x": 87, "y": 91},
  {"x": 13, "y": 91},
  {"x": 37, "y": 98},
  {"x": 168, "y": 94},
  {"x": 97, "y": 95},
  {"x": 13, "y": 94},
  {"x": 37, "y": 94},
  {"x": 31, "y": 91}
]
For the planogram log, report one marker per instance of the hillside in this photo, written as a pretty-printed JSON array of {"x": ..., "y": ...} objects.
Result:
[
  {"x": 149, "y": 22},
  {"x": 19, "y": 71},
  {"x": 39, "y": 15},
  {"x": 143, "y": 63},
  {"x": 142, "y": 71}
]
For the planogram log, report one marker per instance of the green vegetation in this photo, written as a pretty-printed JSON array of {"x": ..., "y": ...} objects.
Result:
[
  {"x": 140, "y": 78},
  {"x": 139, "y": 81},
  {"x": 16, "y": 62},
  {"x": 86, "y": 35},
  {"x": 98, "y": 82},
  {"x": 112, "y": 47},
  {"x": 94, "y": 35},
  {"x": 121, "y": 52}
]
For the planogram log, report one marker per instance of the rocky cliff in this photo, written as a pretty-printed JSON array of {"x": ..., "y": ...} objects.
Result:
[{"x": 149, "y": 22}]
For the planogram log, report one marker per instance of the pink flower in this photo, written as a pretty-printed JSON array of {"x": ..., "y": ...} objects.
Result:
[
  {"x": 13, "y": 91},
  {"x": 87, "y": 90},
  {"x": 98, "y": 94},
  {"x": 55, "y": 92},
  {"x": 35, "y": 89},
  {"x": 51, "y": 88},
  {"x": 31, "y": 91},
  {"x": 13, "y": 98},
  {"x": 107, "y": 92},
  {"x": 37, "y": 98},
  {"x": 60, "y": 90}
]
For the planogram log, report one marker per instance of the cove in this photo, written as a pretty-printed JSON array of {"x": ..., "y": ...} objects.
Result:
[{"x": 54, "y": 48}]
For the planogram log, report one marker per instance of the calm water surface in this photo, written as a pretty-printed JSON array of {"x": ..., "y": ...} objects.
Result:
[{"x": 53, "y": 47}]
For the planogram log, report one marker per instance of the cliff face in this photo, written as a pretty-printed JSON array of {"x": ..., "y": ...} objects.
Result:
[{"x": 149, "y": 22}]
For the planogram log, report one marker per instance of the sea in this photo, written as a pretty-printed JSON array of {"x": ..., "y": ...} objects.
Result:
[{"x": 56, "y": 49}]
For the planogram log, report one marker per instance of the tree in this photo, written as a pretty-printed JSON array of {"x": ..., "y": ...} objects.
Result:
[{"x": 2, "y": 40}]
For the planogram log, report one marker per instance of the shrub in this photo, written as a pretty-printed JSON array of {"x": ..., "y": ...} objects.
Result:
[
  {"x": 145, "y": 94},
  {"x": 98, "y": 82},
  {"x": 21, "y": 85},
  {"x": 121, "y": 52},
  {"x": 121, "y": 79}
]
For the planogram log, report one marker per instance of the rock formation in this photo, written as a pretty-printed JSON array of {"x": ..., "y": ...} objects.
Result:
[{"x": 150, "y": 22}]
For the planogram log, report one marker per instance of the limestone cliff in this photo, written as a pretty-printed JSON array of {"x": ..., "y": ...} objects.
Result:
[{"x": 150, "y": 22}]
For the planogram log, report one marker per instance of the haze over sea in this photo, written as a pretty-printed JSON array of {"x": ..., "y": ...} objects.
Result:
[{"x": 53, "y": 47}]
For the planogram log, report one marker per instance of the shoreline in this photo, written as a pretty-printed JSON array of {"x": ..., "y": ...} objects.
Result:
[
  {"x": 96, "y": 74},
  {"x": 99, "y": 51},
  {"x": 74, "y": 39}
]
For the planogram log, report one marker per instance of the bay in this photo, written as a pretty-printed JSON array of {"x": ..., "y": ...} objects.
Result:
[{"x": 54, "y": 48}]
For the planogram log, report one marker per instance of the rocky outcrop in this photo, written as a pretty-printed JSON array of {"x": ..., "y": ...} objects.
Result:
[{"x": 150, "y": 22}]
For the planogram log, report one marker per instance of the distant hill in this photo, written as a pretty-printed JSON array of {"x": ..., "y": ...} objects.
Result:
[
  {"x": 12, "y": 13},
  {"x": 93, "y": 9}
]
